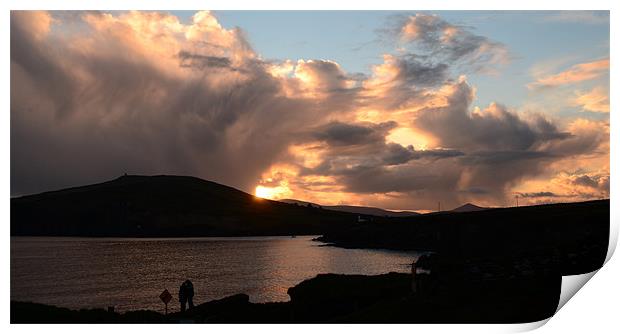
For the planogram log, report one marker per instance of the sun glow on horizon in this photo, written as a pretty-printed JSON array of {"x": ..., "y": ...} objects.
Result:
[
  {"x": 263, "y": 192},
  {"x": 274, "y": 193}
]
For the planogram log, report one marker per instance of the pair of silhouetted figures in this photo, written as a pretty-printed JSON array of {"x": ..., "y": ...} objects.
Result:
[{"x": 186, "y": 295}]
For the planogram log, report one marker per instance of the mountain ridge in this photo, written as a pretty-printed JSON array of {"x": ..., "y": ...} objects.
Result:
[
  {"x": 468, "y": 207},
  {"x": 364, "y": 210},
  {"x": 164, "y": 205}
]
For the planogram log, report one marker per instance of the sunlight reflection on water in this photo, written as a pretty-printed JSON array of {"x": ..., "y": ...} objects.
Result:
[{"x": 131, "y": 273}]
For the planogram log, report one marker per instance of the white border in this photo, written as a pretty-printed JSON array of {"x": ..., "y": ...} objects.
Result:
[
  {"x": 314, "y": 5},
  {"x": 596, "y": 307}
]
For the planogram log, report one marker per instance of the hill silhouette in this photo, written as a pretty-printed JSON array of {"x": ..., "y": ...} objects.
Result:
[
  {"x": 576, "y": 233},
  {"x": 468, "y": 207},
  {"x": 363, "y": 210},
  {"x": 165, "y": 206},
  {"x": 181, "y": 206}
]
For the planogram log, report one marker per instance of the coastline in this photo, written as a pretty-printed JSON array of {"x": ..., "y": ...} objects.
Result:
[
  {"x": 492, "y": 266},
  {"x": 331, "y": 298}
]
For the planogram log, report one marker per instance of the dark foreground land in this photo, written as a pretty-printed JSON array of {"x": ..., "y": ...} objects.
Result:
[
  {"x": 489, "y": 266},
  {"x": 575, "y": 236},
  {"x": 331, "y": 298}
]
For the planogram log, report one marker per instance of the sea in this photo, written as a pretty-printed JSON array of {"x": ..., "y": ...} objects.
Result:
[{"x": 131, "y": 273}]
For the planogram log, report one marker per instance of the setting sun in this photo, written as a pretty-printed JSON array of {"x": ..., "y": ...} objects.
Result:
[
  {"x": 264, "y": 192},
  {"x": 279, "y": 192}
]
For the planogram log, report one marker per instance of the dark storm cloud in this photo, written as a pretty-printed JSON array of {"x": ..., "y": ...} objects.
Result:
[
  {"x": 485, "y": 152},
  {"x": 360, "y": 158},
  {"x": 37, "y": 62},
  {"x": 494, "y": 128},
  {"x": 585, "y": 140},
  {"x": 429, "y": 180},
  {"x": 78, "y": 118},
  {"x": 365, "y": 144},
  {"x": 201, "y": 61},
  {"x": 595, "y": 182},
  {"x": 585, "y": 181},
  {"x": 382, "y": 180},
  {"x": 501, "y": 147},
  {"x": 343, "y": 134},
  {"x": 539, "y": 194},
  {"x": 498, "y": 158},
  {"x": 493, "y": 149},
  {"x": 396, "y": 154},
  {"x": 358, "y": 77},
  {"x": 413, "y": 71}
]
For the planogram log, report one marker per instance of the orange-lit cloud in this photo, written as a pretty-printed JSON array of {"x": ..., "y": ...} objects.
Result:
[
  {"x": 596, "y": 100},
  {"x": 577, "y": 73},
  {"x": 38, "y": 23},
  {"x": 564, "y": 186},
  {"x": 143, "y": 92}
]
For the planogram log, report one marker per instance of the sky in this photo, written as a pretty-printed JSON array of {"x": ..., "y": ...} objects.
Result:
[{"x": 394, "y": 109}]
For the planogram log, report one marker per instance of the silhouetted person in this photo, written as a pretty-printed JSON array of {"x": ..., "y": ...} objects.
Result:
[
  {"x": 189, "y": 293},
  {"x": 186, "y": 295},
  {"x": 182, "y": 297}
]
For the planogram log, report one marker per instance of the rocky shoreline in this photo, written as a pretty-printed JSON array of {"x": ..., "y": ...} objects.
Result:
[{"x": 331, "y": 298}]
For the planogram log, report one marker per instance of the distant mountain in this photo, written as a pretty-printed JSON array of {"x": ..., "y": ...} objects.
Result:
[
  {"x": 297, "y": 202},
  {"x": 366, "y": 210},
  {"x": 468, "y": 208},
  {"x": 362, "y": 210},
  {"x": 165, "y": 206},
  {"x": 574, "y": 236}
]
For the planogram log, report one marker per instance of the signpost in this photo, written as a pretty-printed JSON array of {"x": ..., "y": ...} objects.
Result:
[{"x": 165, "y": 297}]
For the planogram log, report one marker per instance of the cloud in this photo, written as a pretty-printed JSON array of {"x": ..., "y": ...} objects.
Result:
[
  {"x": 596, "y": 100},
  {"x": 576, "y": 73},
  {"x": 115, "y": 98},
  {"x": 587, "y": 137},
  {"x": 409, "y": 70},
  {"x": 354, "y": 146},
  {"x": 37, "y": 23},
  {"x": 202, "y": 62},
  {"x": 397, "y": 154},
  {"x": 322, "y": 75},
  {"x": 358, "y": 158},
  {"x": 94, "y": 95},
  {"x": 493, "y": 128},
  {"x": 490, "y": 151},
  {"x": 342, "y": 134},
  {"x": 585, "y": 181},
  {"x": 538, "y": 194},
  {"x": 401, "y": 81},
  {"x": 452, "y": 43},
  {"x": 580, "y": 184},
  {"x": 500, "y": 147}
]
